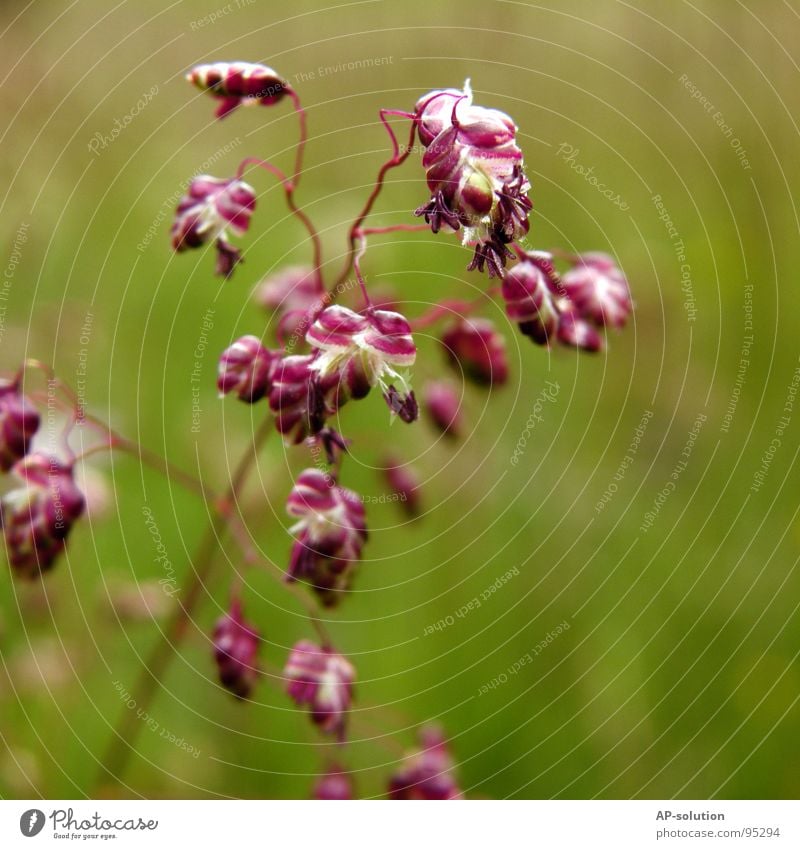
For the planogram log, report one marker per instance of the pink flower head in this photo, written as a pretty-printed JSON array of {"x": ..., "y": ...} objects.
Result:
[
  {"x": 38, "y": 516},
  {"x": 474, "y": 345},
  {"x": 598, "y": 289},
  {"x": 576, "y": 332},
  {"x": 210, "y": 206},
  {"x": 443, "y": 407},
  {"x": 530, "y": 290},
  {"x": 246, "y": 368},
  {"x": 334, "y": 785},
  {"x": 475, "y": 173},
  {"x": 238, "y": 84},
  {"x": 235, "y": 648},
  {"x": 322, "y": 680},
  {"x": 404, "y": 484},
  {"x": 364, "y": 350},
  {"x": 330, "y": 532},
  {"x": 300, "y": 399},
  {"x": 19, "y": 421},
  {"x": 427, "y": 773}
]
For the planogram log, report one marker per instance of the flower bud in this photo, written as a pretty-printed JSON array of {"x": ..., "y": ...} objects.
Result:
[
  {"x": 598, "y": 289},
  {"x": 235, "y": 648},
  {"x": 427, "y": 773},
  {"x": 246, "y": 368},
  {"x": 403, "y": 483},
  {"x": 238, "y": 83},
  {"x": 210, "y": 206},
  {"x": 531, "y": 302},
  {"x": 19, "y": 421},
  {"x": 576, "y": 332},
  {"x": 300, "y": 399},
  {"x": 37, "y": 517},
  {"x": 475, "y": 346},
  {"x": 434, "y": 111},
  {"x": 329, "y": 534},
  {"x": 322, "y": 680},
  {"x": 443, "y": 406},
  {"x": 334, "y": 785}
]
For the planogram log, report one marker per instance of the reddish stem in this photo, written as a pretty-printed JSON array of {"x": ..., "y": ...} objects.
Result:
[
  {"x": 289, "y": 187},
  {"x": 398, "y": 158},
  {"x": 446, "y": 309},
  {"x": 393, "y": 228}
]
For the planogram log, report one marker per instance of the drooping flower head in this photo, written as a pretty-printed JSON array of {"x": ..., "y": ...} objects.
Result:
[
  {"x": 475, "y": 173},
  {"x": 205, "y": 212},
  {"x": 404, "y": 484},
  {"x": 300, "y": 399},
  {"x": 598, "y": 289},
  {"x": 568, "y": 308},
  {"x": 363, "y": 351},
  {"x": 334, "y": 785},
  {"x": 531, "y": 291},
  {"x": 474, "y": 345},
  {"x": 322, "y": 680},
  {"x": 329, "y": 534},
  {"x": 19, "y": 421},
  {"x": 238, "y": 84},
  {"x": 246, "y": 368},
  {"x": 443, "y": 405},
  {"x": 576, "y": 332},
  {"x": 235, "y": 648},
  {"x": 37, "y": 517},
  {"x": 427, "y": 772}
]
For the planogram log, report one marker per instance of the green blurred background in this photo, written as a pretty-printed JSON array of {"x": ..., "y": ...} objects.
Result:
[{"x": 678, "y": 674}]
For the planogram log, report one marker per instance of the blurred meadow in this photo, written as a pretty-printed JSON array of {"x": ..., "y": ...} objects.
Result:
[{"x": 677, "y": 675}]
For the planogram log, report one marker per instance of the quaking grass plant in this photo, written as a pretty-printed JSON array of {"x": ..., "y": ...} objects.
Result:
[{"x": 326, "y": 356}]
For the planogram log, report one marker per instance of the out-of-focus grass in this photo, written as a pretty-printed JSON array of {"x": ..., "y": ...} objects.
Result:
[{"x": 680, "y": 661}]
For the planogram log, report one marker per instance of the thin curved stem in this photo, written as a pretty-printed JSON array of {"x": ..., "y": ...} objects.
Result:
[
  {"x": 302, "y": 119},
  {"x": 289, "y": 186},
  {"x": 447, "y": 308},
  {"x": 394, "y": 228},
  {"x": 129, "y": 725},
  {"x": 398, "y": 158}
]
